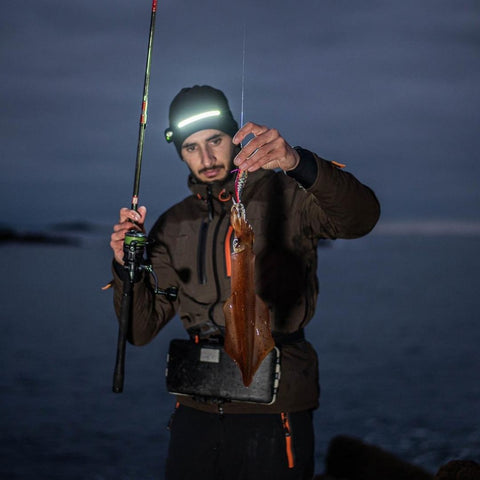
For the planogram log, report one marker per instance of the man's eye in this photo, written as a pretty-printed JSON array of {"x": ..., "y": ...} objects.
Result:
[{"x": 216, "y": 141}]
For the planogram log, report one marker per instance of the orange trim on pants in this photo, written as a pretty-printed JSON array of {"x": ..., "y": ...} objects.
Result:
[{"x": 288, "y": 440}]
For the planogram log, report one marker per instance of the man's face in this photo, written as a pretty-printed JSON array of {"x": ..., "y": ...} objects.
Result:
[{"x": 209, "y": 154}]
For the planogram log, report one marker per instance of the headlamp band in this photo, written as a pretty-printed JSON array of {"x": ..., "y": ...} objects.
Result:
[
  {"x": 196, "y": 118},
  {"x": 169, "y": 133}
]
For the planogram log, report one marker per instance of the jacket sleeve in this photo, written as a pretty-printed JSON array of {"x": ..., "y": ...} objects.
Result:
[
  {"x": 150, "y": 311},
  {"x": 339, "y": 206}
]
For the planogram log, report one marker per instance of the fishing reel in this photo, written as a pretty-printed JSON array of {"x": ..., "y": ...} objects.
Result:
[{"x": 133, "y": 253}]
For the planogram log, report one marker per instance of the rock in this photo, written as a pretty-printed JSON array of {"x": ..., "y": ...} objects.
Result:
[
  {"x": 349, "y": 458},
  {"x": 459, "y": 470}
]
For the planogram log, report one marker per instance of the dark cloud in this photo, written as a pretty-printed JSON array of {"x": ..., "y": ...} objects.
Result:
[{"x": 389, "y": 88}]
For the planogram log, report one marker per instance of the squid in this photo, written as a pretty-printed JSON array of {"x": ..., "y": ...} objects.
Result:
[{"x": 248, "y": 337}]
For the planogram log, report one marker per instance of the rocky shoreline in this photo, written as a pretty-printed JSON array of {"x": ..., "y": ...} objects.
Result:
[{"x": 349, "y": 458}]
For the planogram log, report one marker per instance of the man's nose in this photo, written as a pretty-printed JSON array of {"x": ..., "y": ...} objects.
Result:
[{"x": 208, "y": 158}]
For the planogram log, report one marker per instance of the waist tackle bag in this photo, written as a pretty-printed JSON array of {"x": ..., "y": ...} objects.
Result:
[{"x": 205, "y": 371}]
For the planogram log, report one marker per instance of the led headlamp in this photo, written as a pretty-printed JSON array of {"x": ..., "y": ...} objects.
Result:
[{"x": 190, "y": 120}]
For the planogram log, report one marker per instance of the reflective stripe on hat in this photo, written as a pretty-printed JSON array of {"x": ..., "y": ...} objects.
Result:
[{"x": 200, "y": 116}]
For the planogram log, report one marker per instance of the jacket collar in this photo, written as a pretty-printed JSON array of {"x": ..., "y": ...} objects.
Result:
[{"x": 225, "y": 189}]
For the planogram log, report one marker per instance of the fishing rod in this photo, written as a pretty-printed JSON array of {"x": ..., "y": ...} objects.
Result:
[
  {"x": 143, "y": 115},
  {"x": 135, "y": 241}
]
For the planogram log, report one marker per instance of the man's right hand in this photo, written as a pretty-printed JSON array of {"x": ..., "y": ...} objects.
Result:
[{"x": 128, "y": 219}]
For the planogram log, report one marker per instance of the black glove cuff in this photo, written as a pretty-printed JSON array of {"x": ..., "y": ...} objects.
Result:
[{"x": 306, "y": 171}]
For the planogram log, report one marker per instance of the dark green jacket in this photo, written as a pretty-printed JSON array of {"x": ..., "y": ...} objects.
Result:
[{"x": 190, "y": 250}]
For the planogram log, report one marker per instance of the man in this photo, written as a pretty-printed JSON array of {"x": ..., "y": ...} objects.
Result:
[{"x": 290, "y": 210}]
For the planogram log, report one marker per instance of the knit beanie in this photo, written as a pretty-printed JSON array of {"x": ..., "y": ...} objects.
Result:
[{"x": 200, "y": 107}]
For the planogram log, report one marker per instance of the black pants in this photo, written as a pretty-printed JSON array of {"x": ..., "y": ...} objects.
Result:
[{"x": 239, "y": 447}]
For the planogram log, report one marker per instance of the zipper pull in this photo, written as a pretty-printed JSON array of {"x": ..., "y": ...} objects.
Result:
[{"x": 210, "y": 203}]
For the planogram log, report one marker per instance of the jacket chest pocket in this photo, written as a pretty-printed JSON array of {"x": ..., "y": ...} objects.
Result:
[{"x": 200, "y": 262}]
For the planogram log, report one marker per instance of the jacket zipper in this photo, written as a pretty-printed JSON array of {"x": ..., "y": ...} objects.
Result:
[
  {"x": 202, "y": 240},
  {"x": 215, "y": 267},
  {"x": 201, "y": 253}
]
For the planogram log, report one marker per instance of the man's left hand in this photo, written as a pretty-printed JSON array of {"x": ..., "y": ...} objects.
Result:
[{"x": 267, "y": 149}]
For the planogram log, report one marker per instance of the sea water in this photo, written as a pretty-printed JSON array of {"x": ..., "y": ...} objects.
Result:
[{"x": 397, "y": 332}]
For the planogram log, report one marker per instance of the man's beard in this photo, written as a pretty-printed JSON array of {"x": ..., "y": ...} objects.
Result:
[{"x": 219, "y": 167}]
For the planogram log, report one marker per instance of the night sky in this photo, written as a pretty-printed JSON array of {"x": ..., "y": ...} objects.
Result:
[{"x": 389, "y": 88}]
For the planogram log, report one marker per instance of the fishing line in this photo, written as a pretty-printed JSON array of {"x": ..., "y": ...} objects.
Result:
[
  {"x": 241, "y": 176},
  {"x": 244, "y": 54}
]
